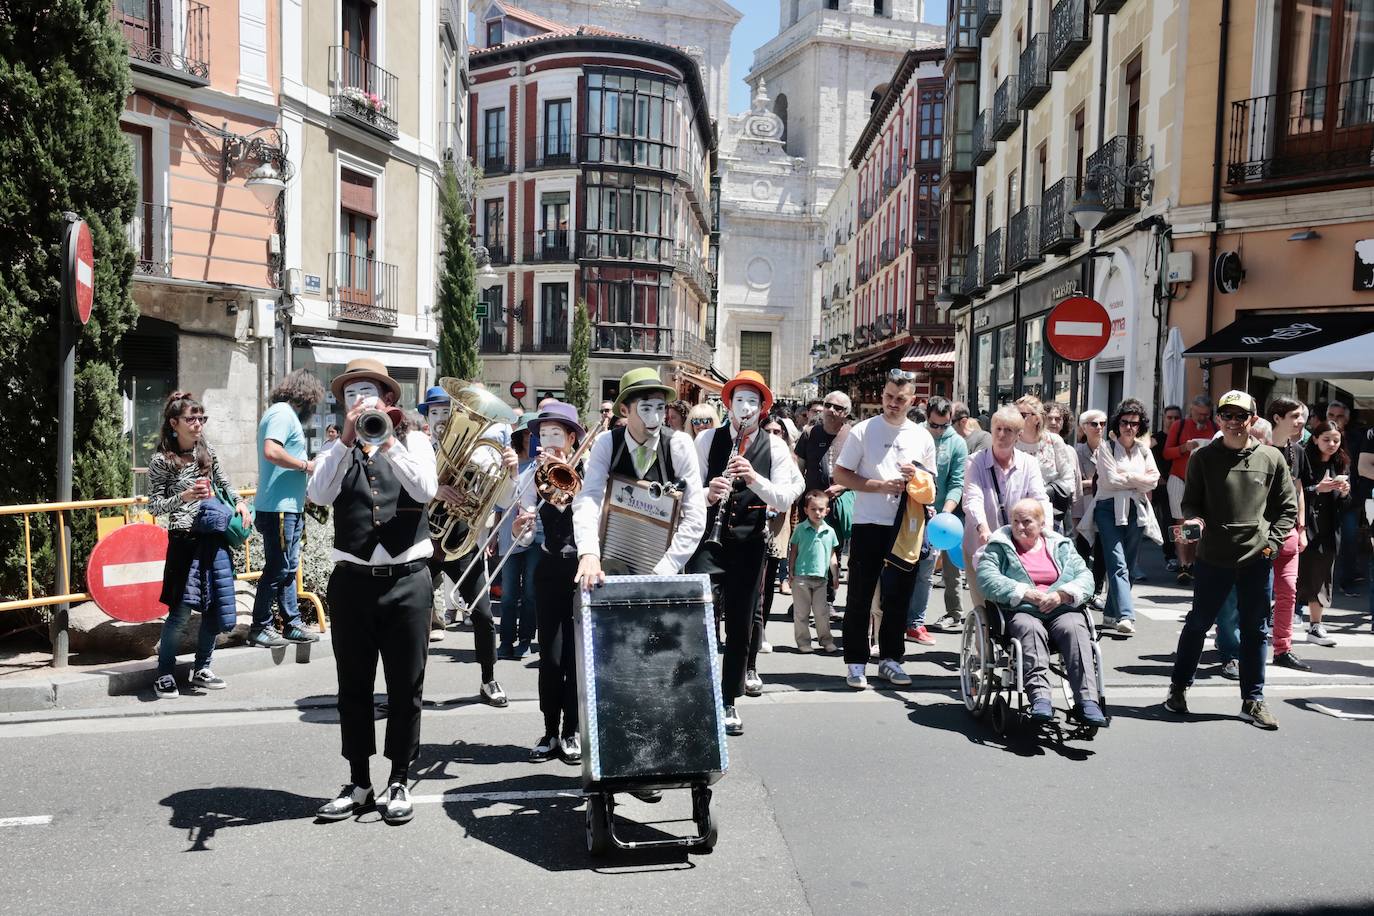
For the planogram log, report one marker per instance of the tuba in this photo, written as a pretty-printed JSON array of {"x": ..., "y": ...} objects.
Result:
[{"x": 469, "y": 460}]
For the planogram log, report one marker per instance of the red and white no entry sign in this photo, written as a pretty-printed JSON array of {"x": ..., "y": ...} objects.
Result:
[
  {"x": 1078, "y": 328},
  {"x": 124, "y": 575},
  {"x": 517, "y": 390},
  {"x": 80, "y": 270}
]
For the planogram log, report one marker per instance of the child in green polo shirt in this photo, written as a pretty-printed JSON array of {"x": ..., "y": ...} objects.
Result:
[{"x": 811, "y": 558}]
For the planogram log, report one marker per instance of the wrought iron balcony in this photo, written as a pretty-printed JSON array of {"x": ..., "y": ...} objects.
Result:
[
  {"x": 496, "y": 249},
  {"x": 692, "y": 268},
  {"x": 551, "y": 151},
  {"x": 827, "y": 255},
  {"x": 624, "y": 246},
  {"x": 1006, "y": 117},
  {"x": 549, "y": 340},
  {"x": 865, "y": 271},
  {"x": 448, "y": 144},
  {"x": 150, "y": 236},
  {"x": 839, "y": 237},
  {"x": 364, "y": 289},
  {"x": 983, "y": 143},
  {"x": 887, "y": 252},
  {"x": 362, "y": 93},
  {"x": 825, "y": 303},
  {"x": 961, "y": 29},
  {"x": 1108, "y": 166},
  {"x": 866, "y": 208},
  {"x": 994, "y": 257},
  {"x": 989, "y": 14},
  {"x": 1305, "y": 138},
  {"x": 973, "y": 283},
  {"x": 548, "y": 246},
  {"x": 494, "y": 336},
  {"x": 645, "y": 340},
  {"x": 167, "y": 38},
  {"x": 1033, "y": 82},
  {"x": 1104, "y": 7},
  {"x": 691, "y": 348},
  {"x": 1023, "y": 239},
  {"x": 494, "y": 158},
  {"x": 1058, "y": 230},
  {"x": 835, "y": 291},
  {"x": 1070, "y": 32}
]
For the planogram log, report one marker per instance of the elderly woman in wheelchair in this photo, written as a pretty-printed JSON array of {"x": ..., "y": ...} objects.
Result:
[{"x": 1035, "y": 584}]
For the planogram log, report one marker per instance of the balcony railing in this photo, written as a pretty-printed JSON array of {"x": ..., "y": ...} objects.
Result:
[
  {"x": 961, "y": 29},
  {"x": 973, "y": 283},
  {"x": 150, "y": 236},
  {"x": 994, "y": 260},
  {"x": 1006, "y": 117},
  {"x": 691, "y": 348},
  {"x": 983, "y": 143},
  {"x": 989, "y": 14},
  {"x": 1070, "y": 32},
  {"x": 362, "y": 93},
  {"x": 638, "y": 339},
  {"x": 827, "y": 255},
  {"x": 1023, "y": 239},
  {"x": 835, "y": 291},
  {"x": 550, "y": 340},
  {"x": 496, "y": 249},
  {"x": 551, "y": 151},
  {"x": 449, "y": 150},
  {"x": 839, "y": 238},
  {"x": 887, "y": 252},
  {"x": 1058, "y": 229},
  {"x": 623, "y": 246},
  {"x": 866, "y": 208},
  {"x": 364, "y": 290},
  {"x": 1108, "y": 165},
  {"x": 1104, "y": 7},
  {"x": 494, "y": 158},
  {"x": 693, "y": 269},
  {"x": 548, "y": 246},
  {"x": 494, "y": 335},
  {"x": 1319, "y": 135},
  {"x": 865, "y": 271},
  {"x": 1033, "y": 82},
  {"x": 168, "y": 38}
]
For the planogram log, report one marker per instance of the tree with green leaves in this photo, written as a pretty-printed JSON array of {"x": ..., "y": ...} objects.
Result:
[
  {"x": 64, "y": 76},
  {"x": 578, "y": 389},
  {"x": 458, "y": 329}
]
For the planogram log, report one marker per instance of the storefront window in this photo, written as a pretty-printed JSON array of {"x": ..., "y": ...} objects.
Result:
[
  {"x": 1063, "y": 379},
  {"x": 982, "y": 399},
  {"x": 1006, "y": 365},
  {"x": 1033, "y": 365}
]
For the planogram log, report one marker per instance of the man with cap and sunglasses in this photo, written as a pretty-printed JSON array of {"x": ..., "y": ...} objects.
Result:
[
  {"x": 380, "y": 590},
  {"x": 1239, "y": 506}
]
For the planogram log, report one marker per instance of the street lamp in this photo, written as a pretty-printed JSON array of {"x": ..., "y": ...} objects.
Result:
[
  {"x": 485, "y": 273},
  {"x": 1090, "y": 209},
  {"x": 266, "y": 184}
]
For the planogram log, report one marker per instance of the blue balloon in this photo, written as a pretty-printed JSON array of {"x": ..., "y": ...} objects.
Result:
[
  {"x": 945, "y": 531},
  {"x": 956, "y": 557}
]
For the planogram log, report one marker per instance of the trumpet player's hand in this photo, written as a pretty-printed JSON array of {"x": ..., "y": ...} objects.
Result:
[
  {"x": 448, "y": 493},
  {"x": 718, "y": 489},
  {"x": 740, "y": 468},
  {"x": 522, "y": 523},
  {"x": 589, "y": 574},
  {"x": 509, "y": 459},
  {"x": 350, "y": 430}
]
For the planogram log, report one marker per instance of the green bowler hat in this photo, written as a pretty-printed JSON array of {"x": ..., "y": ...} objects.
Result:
[{"x": 638, "y": 383}]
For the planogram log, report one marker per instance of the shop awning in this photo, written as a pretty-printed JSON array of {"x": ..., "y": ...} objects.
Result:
[
  {"x": 337, "y": 352},
  {"x": 1353, "y": 358},
  {"x": 853, "y": 367},
  {"x": 1267, "y": 336},
  {"x": 928, "y": 354},
  {"x": 709, "y": 385}
]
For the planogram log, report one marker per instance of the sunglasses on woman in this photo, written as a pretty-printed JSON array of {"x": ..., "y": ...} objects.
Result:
[{"x": 701, "y": 422}]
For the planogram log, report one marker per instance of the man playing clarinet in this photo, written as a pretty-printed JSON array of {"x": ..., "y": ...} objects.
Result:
[{"x": 747, "y": 472}]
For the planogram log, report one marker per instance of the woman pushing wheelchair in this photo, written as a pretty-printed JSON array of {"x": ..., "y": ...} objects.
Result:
[{"x": 1038, "y": 582}]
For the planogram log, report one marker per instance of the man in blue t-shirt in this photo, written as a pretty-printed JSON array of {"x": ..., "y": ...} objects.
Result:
[{"x": 282, "y": 472}]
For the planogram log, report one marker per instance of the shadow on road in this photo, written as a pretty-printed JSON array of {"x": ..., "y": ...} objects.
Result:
[
  {"x": 1023, "y": 742},
  {"x": 204, "y": 812}
]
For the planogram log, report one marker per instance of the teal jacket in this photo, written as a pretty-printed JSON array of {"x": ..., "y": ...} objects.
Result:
[
  {"x": 951, "y": 454},
  {"x": 1003, "y": 580}
]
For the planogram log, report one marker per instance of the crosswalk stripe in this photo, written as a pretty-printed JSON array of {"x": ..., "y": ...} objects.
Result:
[
  {"x": 37, "y": 820},
  {"x": 451, "y": 797}
]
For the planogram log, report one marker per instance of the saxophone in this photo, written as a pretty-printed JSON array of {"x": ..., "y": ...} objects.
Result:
[{"x": 456, "y": 526}]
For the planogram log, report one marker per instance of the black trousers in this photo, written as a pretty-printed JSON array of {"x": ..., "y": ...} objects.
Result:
[
  {"x": 553, "y": 600},
  {"x": 739, "y": 598},
  {"x": 388, "y": 618},
  {"x": 1094, "y": 556},
  {"x": 483, "y": 626},
  {"x": 868, "y": 548}
]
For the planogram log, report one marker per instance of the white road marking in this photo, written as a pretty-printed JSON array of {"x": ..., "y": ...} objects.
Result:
[
  {"x": 1339, "y": 714},
  {"x": 452, "y": 797},
  {"x": 38, "y": 820},
  {"x": 133, "y": 573}
]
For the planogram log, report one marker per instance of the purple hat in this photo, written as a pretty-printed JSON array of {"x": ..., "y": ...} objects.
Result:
[{"x": 558, "y": 412}]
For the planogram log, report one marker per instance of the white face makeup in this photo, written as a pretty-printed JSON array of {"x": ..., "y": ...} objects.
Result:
[
  {"x": 554, "y": 436},
  {"x": 438, "y": 418},
  {"x": 744, "y": 407},
  {"x": 651, "y": 412},
  {"x": 356, "y": 391}
]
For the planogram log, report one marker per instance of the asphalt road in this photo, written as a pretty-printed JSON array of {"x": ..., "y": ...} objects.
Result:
[{"x": 836, "y": 802}]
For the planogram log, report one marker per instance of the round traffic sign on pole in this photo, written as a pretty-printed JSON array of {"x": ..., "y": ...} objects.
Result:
[
  {"x": 1078, "y": 328},
  {"x": 79, "y": 270},
  {"x": 124, "y": 575},
  {"x": 518, "y": 390}
]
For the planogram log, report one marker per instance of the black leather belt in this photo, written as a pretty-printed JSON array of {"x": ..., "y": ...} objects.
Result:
[{"x": 383, "y": 572}]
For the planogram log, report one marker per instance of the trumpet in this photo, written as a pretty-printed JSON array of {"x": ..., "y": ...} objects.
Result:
[{"x": 373, "y": 427}]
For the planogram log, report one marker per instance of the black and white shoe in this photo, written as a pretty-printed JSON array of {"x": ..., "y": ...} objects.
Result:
[
  {"x": 545, "y": 749},
  {"x": 570, "y": 749},
  {"x": 398, "y": 808},
  {"x": 207, "y": 680},
  {"x": 753, "y": 684},
  {"x": 350, "y": 801},
  {"x": 734, "y": 725},
  {"x": 166, "y": 687},
  {"x": 493, "y": 695}
]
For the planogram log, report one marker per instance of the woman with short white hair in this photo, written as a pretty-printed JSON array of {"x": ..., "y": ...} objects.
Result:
[{"x": 1091, "y": 425}]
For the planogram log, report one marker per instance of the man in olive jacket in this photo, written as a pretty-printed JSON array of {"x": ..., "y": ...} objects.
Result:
[{"x": 1240, "y": 494}]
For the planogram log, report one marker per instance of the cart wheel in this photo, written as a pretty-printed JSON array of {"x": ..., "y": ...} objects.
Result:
[
  {"x": 1089, "y": 732},
  {"x": 707, "y": 824},
  {"x": 1000, "y": 714},
  {"x": 598, "y": 825}
]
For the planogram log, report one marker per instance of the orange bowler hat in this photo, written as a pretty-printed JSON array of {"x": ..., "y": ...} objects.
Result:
[{"x": 753, "y": 380}]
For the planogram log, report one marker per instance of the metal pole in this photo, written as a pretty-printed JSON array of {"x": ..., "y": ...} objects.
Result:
[{"x": 66, "y": 349}]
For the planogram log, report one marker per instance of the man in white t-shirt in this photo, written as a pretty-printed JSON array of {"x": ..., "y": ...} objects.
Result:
[{"x": 879, "y": 457}]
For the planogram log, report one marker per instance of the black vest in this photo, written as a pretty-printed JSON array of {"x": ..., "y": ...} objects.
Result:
[
  {"x": 748, "y": 513},
  {"x": 558, "y": 530},
  {"x": 373, "y": 508},
  {"x": 623, "y": 461}
]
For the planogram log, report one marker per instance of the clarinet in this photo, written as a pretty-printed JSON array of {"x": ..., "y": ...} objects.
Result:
[{"x": 723, "y": 508}]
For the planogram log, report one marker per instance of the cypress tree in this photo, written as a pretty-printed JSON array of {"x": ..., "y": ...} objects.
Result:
[
  {"x": 577, "y": 390},
  {"x": 64, "y": 76},
  {"x": 458, "y": 330}
]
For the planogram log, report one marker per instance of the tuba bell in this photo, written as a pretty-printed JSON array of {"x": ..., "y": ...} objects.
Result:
[{"x": 469, "y": 460}]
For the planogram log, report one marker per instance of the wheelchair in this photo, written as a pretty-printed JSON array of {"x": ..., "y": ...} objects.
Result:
[{"x": 991, "y": 678}]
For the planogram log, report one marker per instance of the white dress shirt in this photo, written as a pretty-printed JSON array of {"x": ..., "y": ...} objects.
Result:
[
  {"x": 784, "y": 482},
  {"x": 691, "y": 522},
  {"x": 413, "y": 463}
]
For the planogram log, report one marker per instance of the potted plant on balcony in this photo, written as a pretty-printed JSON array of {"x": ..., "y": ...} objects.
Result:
[{"x": 369, "y": 103}]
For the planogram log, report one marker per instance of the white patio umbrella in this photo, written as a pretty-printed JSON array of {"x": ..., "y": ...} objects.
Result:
[
  {"x": 1346, "y": 359},
  {"x": 1174, "y": 391}
]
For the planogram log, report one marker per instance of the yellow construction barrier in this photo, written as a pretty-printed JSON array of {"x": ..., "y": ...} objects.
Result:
[{"x": 105, "y": 525}]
